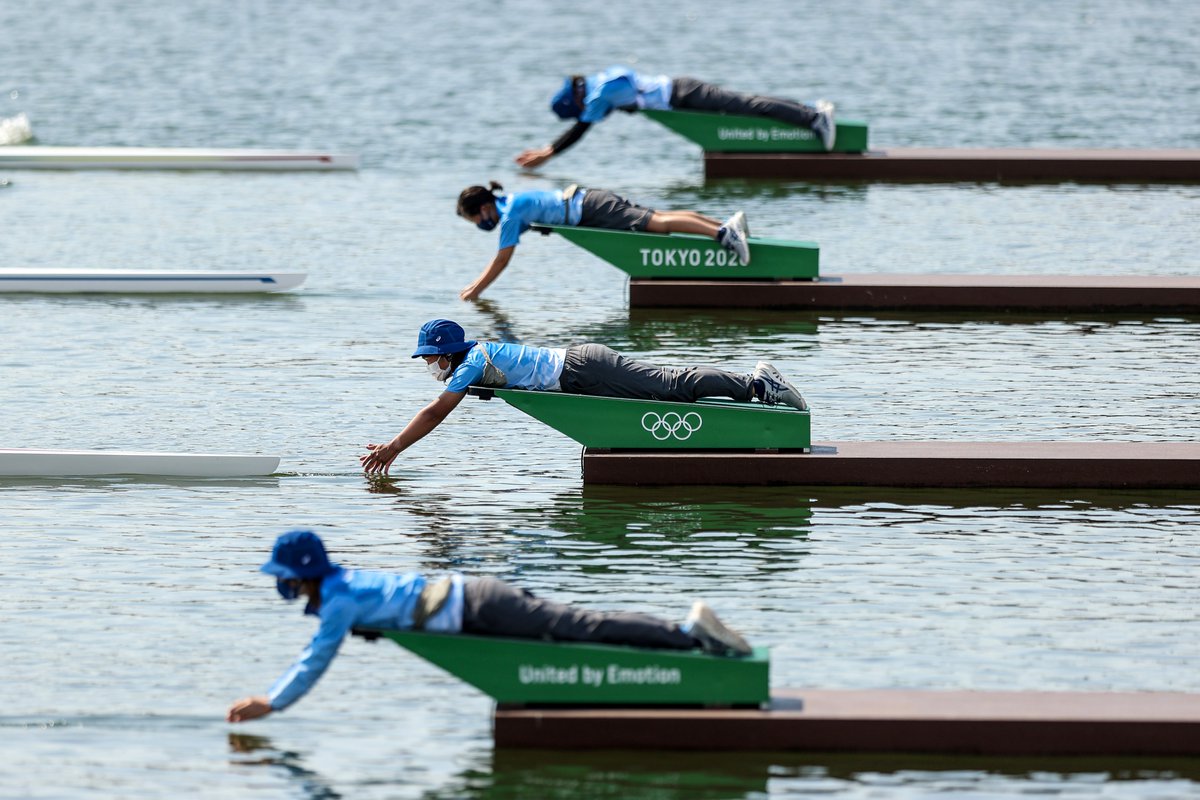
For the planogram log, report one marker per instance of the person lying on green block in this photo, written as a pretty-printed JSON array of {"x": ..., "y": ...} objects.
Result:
[
  {"x": 514, "y": 213},
  {"x": 591, "y": 369},
  {"x": 589, "y": 99},
  {"x": 344, "y": 599}
]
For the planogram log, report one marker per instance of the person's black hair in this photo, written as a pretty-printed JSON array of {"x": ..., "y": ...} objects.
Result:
[
  {"x": 474, "y": 198},
  {"x": 458, "y": 358}
]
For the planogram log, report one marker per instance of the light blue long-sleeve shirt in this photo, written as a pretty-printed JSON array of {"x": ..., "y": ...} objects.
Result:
[
  {"x": 525, "y": 366},
  {"x": 519, "y": 210},
  {"x": 621, "y": 87},
  {"x": 351, "y": 598}
]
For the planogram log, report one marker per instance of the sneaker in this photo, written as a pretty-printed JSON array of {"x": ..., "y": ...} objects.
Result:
[
  {"x": 776, "y": 389},
  {"x": 738, "y": 221},
  {"x": 823, "y": 125},
  {"x": 714, "y": 637},
  {"x": 732, "y": 239}
]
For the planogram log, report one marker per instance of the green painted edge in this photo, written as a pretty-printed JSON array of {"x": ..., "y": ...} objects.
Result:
[
  {"x": 615, "y": 423},
  {"x": 529, "y": 671},
  {"x": 680, "y": 256},
  {"x": 730, "y": 133}
]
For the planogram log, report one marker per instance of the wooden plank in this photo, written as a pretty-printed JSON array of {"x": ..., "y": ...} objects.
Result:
[
  {"x": 951, "y": 164},
  {"x": 1122, "y": 465},
  {"x": 918, "y": 292},
  {"x": 959, "y": 722}
]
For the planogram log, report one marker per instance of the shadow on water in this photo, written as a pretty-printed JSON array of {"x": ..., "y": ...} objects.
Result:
[{"x": 669, "y": 775}]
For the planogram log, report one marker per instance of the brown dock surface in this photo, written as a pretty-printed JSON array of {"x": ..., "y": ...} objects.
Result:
[
  {"x": 959, "y": 722},
  {"x": 914, "y": 292},
  {"x": 963, "y": 164},
  {"x": 1047, "y": 465}
]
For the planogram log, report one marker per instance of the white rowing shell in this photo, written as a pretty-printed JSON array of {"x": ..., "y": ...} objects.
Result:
[
  {"x": 82, "y": 463},
  {"x": 37, "y": 157},
  {"x": 130, "y": 281}
]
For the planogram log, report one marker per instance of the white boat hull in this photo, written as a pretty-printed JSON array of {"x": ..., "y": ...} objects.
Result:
[
  {"x": 87, "y": 463},
  {"x": 38, "y": 157},
  {"x": 135, "y": 281}
]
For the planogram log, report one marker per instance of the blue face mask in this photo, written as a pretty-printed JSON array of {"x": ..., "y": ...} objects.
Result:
[
  {"x": 287, "y": 589},
  {"x": 486, "y": 224}
]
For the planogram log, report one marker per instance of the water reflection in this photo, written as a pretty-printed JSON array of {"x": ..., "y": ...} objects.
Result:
[
  {"x": 258, "y": 751},
  {"x": 608, "y": 513},
  {"x": 862, "y": 498},
  {"x": 501, "y": 327},
  {"x": 708, "y": 776},
  {"x": 725, "y": 190},
  {"x": 732, "y": 332}
]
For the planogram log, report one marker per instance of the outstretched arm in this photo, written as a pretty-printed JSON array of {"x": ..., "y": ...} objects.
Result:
[
  {"x": 382, "y": 455},
  {"x": 540, "y": 155},
  {"x": 493, "y": 270},
  {"x": 336, "y": 620},
  {"x": 249, "y": 708}
]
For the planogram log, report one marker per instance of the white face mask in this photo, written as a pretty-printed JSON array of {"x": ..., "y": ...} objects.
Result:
[{"x": 435, "y": 369}]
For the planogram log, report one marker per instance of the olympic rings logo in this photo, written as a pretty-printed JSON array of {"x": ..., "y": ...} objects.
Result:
[{"x": 671, "y": 424}]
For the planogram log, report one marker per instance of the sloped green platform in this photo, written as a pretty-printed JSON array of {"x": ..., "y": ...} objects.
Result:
[
  {"x": 614, "y": 423},
  {"x": 729, "y": 133},
  {"x": 666, "y": 256},
  {"x": 528, "y": 671}
]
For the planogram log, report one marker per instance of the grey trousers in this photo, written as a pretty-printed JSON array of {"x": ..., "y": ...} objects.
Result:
[
  {"x": 691, "y": 94},
  {"x": 494, "y": 608},
  {"x": 598, "y": 370}
]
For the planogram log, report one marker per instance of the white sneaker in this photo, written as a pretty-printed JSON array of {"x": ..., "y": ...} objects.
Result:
[
  {"x": 738, "y": 221},
  {"x": 714, "y": 637},
  {"x": 776, "y": 389},
  {"x": 734, "y": 240},
  {"x": 823, "y": 125}
]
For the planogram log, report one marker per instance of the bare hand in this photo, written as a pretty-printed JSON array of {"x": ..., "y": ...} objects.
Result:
[
  {"x": 380, "y": 459},
  {"x": 248, "y": 708},
  {"x": 470, "y": 292},
  {"x": 535, "y": 157}
]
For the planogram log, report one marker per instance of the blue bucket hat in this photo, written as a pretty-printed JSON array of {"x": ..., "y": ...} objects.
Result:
[
  {"x": 299, "y": 555},
  {"x": 563, "y": 103},
  {"x": 441, "y": 337}
]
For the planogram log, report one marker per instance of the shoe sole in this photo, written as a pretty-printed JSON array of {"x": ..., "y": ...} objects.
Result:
[{"x": 717, "y": 631}]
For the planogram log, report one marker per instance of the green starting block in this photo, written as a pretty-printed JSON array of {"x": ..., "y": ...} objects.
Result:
[
  {"x": 666, "y": 256},
  {"x": 534, "y": 672},
  {"x": 730, "y": 133},
  {"x": 615, "y": 423}
]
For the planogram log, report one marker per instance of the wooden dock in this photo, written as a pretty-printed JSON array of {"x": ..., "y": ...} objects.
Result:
[
  {"x": 1040, "y": 465},
  {"x": 962, "y": 164},
  {"x": 956, "y": 723},
  {"x": 917, "y": 292}
]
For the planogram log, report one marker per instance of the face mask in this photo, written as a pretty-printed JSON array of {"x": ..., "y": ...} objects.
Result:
[
  {"x": 435, "y": 369},
  {"x": 287, "y": 589},
  {"x": 486, "y": 224}
]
